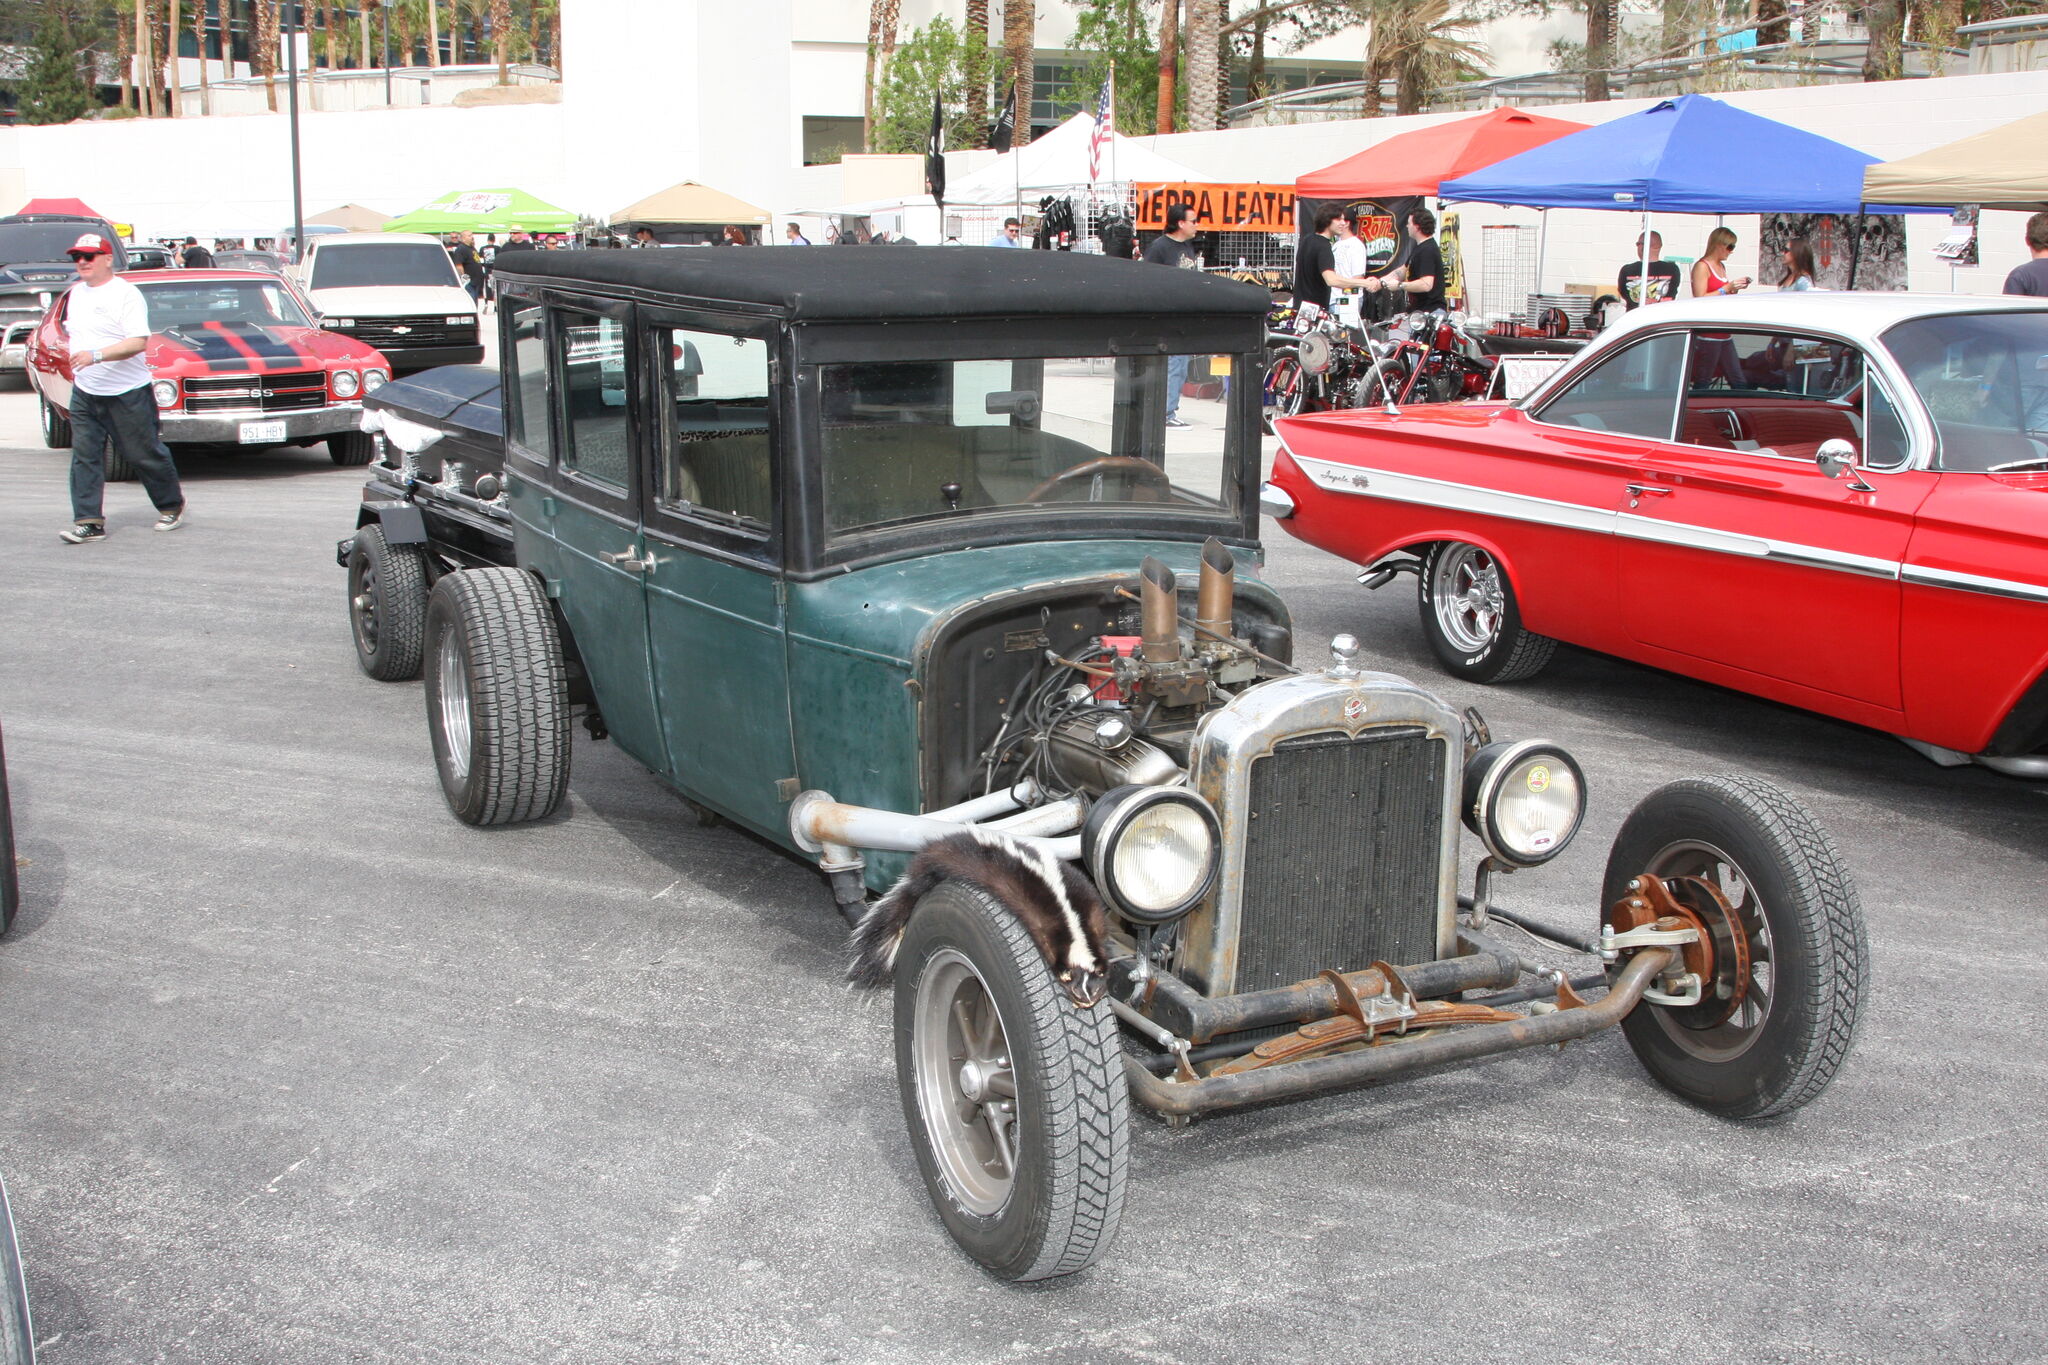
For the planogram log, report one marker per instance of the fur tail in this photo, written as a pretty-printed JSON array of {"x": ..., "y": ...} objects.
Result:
[{"x": 879, "y": 933}]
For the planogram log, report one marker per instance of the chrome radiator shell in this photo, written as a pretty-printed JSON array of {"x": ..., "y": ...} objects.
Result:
[{"x": 1268, "y": 721}]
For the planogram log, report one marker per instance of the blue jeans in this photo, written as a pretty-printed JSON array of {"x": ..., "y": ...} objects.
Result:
[
  {"x": 1176, "y": 380},
  {"x": 129, "y": 421}
]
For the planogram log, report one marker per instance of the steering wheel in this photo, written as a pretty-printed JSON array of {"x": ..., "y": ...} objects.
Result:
[{"x": 1144, "y": 471}]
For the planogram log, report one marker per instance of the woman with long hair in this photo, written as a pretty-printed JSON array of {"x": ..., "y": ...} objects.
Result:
[
  {"x": 1798, "y": 266},
  {"x": 1710, "y": 272}
]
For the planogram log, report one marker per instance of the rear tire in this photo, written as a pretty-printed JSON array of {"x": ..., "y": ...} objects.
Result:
[
  {"x": 497, "y": 697},
  {"x": 1472, "y": 619},
  {"x": 347, "y": 448},
  {"x": 1286, "y": 389},
  {"x": 119, "y": 468},
  {"x": 56, "y": 426},
  {"x": 1033, "y": 1190},
  {"x": 1808, "y": 949},
  {"x": 387, "y": 605}
]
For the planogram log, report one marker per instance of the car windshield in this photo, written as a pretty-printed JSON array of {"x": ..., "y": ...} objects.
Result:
[
  {"x": 1984, "y": 380},
  {"x": 266, "y": 303},
  {"x": 373, "y": 263},
  {"x": 38, "y": 242},
  {"x": 912, "y": 440}
]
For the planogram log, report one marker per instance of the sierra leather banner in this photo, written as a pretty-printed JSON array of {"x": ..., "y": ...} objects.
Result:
[{"x": 1220, "y": 208}]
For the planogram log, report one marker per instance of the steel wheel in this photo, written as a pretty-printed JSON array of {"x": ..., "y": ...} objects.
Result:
[
  {"x": 455, "y": 732},
  {"x": 1710, "y": 1031},
  {"x": 965, "y": 1085},
  {"x": 1466, "y": 598}
]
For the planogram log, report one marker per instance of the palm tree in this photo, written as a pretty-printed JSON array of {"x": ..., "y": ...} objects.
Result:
[
  {"x": 199, "y": 27},
  {"x": 975, "y": 36},
  {"x": 263, "y": 55},
  {"x": 1413, "y": 44},
  {"x": 1020, "y": 45},
  {"x": 1169, "y": 63},
  {"x": 171, "y": 81},
  {"x": 1602, "y": 18},
  {"x": 883, "y": 20},
  {"x": 1201, "y": 44},
  {"x": 433, "y": 33},
  {"x": 501, "y": 38},
  {"x": 1884, "y": 56}
]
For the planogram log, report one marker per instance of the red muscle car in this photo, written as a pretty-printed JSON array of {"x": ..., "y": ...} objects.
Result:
[
  {"x": 235, "y": 359},
  {"x": 1839, "y": 501}
]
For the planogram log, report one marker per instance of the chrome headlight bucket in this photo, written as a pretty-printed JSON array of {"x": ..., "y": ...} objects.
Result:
[
  {"x": 1524, "y": 800},
  {"x": 165, "y": 391},
  {"x": 345, "y": 384},
  {"x": 1152, "y": 851},
  {"x": 374, "y": 380}
]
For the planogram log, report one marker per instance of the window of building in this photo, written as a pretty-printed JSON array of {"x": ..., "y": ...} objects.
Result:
[{"x": 828, "y": 139}]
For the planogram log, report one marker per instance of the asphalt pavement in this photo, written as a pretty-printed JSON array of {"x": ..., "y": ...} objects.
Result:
[{"x": 296, "y": 1068}]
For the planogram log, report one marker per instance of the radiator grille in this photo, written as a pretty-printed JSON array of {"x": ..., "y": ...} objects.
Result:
[
  {"x": 398, "y": 334},
  {"x": 1341, "y": 855},
  {"x": 267, "y": 392}
]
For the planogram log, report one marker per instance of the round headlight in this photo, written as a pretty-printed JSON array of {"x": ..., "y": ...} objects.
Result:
[
  {"x": 1524, "y": 800},
  {"x": 373, "y": 380},
  {"x": 166, "y": 391},
  {"x": 1152, "y": 851},
  {"x": 345, "y": 384}
]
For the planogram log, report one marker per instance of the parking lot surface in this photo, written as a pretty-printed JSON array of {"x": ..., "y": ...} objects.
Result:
[{"x": 299, "y": 1069}]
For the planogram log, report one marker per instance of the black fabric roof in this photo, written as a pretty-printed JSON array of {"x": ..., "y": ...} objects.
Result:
[{"x": 840, "y": 283}]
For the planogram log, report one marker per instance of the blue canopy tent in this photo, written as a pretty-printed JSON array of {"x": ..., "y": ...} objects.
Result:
[{"x": 1693, "y": 154}]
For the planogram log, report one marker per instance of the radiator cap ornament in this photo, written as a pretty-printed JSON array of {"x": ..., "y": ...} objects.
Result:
[{"x": 1343, "y": 649}]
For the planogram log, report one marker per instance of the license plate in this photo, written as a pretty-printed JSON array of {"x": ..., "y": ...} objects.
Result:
[
  {"x": 262, "y": 433},
  {"x": 1219, "y": 364}
]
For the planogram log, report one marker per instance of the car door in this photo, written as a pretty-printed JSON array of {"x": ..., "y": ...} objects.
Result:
[
  {"x": 715, "y": 595},
  {"x": 50, "y": 357},
  {"x": 581, "y": 530},
  {"x": 1739, "y": 552}
]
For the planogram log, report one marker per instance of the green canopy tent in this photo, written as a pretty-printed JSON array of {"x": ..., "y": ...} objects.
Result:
[{"x": 484, "y": 211}]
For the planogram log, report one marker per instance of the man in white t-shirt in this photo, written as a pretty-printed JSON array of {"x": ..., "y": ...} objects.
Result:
[
  {"x": 1350, "y": 254},
  {"x": 106, "y": 323}
]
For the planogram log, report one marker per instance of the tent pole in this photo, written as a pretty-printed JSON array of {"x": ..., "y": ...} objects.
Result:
[{"x": 1542, "y": 248}]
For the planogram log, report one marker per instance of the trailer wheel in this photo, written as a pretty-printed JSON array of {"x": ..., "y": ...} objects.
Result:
[
  {"x": 497, "y": 697},
  {"x": 387, "y": 605},
  {"x": 1795, "y": 1005},
  {"x": 1015, "y": 1097}
]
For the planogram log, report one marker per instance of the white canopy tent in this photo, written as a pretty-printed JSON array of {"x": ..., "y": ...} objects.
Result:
[{"x": 1054, "y": 163}]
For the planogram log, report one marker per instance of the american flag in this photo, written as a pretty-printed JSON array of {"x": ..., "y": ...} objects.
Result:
[{"x": 1104, "y": 129}]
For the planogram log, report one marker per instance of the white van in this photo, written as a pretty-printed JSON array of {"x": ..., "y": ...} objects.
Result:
[{"x": 397, "y": 291}]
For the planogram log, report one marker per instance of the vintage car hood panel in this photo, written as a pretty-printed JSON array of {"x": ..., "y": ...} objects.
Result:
[
  {"x": 886, "y": 611},
  {"x": 239, "y": 347}
]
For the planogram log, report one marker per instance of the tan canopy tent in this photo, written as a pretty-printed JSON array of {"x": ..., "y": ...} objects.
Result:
[
  {"x": 2000, "y": 169},
  {"x": 692, "y": 203},
  {"x": 354, "y": 217}
]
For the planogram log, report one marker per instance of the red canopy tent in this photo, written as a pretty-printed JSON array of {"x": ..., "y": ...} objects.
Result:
[
  {"x": 75, "y": 207},
  {"x": 1416, "y": 163}
]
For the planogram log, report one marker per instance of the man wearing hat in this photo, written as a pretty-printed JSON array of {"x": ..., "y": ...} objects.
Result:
[{"x": 106, "y": 323}]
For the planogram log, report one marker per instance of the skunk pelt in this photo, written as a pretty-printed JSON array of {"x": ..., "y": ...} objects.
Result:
[{"x": 1056, "y": 905}]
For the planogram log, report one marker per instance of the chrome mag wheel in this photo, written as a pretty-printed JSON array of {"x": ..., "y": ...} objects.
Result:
[{"x": 1466, "y": 597}]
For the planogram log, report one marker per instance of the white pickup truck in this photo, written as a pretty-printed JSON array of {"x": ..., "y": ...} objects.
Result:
[{"x": 396, "y": 291}]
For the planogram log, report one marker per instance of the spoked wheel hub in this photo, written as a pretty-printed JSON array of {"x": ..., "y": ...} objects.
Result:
[
  {"x": 1702, "y": 886},
  {"x": 966, "y": 1087},
  {"x": 1468, "y": 598}
]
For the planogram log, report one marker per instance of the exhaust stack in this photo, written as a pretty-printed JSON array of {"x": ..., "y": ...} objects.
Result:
[
  {"x": 1158, "y": 612},
  {"x": 1218, "y": 589}
]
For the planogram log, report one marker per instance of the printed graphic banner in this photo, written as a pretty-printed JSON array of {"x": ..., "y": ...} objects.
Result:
[{"x": 1220, "y": 208}]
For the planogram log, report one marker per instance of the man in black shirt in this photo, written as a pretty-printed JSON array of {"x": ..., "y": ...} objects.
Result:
[
  {"x": 1424, "y": 285},
  {"x": 195, "y": 256},
  {"x": 1663, "y": 275},
  {"x": 1315, "y": 265},
  {"x": 2032, "y": 278},
  {"x": 1176, "y": 247}
]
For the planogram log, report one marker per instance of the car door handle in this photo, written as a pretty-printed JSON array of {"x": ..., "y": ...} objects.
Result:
[
  {"x": 1644, "y": 490},
  {"x": 627, "y": 560}
]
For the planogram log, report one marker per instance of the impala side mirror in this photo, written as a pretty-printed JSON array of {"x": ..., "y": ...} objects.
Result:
[{"x": 1836, "y": 458}]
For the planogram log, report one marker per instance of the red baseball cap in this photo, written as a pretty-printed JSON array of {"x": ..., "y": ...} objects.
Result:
[{"x": 92, "y": 244}]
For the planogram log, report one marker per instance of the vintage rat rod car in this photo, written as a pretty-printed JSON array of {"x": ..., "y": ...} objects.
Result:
[{"x": 908, "y": 528}]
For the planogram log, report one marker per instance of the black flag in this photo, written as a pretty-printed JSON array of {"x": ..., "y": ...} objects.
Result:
[
  {"x": 1005, "y": 131},
  {"x": 934, "y": 155}
]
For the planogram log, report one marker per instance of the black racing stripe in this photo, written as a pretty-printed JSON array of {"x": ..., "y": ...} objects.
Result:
[{"x": 238, "y": 346}]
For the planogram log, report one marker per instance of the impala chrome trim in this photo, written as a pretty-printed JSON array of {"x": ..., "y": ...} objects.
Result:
[
  {"x": 1969, "y": 582},
  {"x": 1459, "y": 497},
  {"x": 1753, "y": 547}
]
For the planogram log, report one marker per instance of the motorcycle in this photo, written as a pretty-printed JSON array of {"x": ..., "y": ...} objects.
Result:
[
  {"x": 1432, "y": 358},
  {"x": 1315, "y": 362}
]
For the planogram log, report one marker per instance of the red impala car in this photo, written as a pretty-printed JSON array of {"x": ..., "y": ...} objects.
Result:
[
  {"x": 236, "y": 360},
  {"x": 1839, "y": 501}
]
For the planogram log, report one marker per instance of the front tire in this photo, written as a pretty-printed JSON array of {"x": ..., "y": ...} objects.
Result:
[
  {"x": 387, "y": 605},
  {"x": 1015, "y": 1098},
  {"x": 497, "y": 697},
  {"x": 56, "y": 426},
  {"x": 1472, "y": 620},
  {"x": 1808, "y": 950},
  {"x": 349, "y": 448},
  {"x": 1286, "y": 389}
]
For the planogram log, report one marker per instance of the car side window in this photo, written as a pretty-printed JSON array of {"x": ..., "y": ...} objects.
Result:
[
  {"x": 1632, "y": 392},
  {"x": 718, "y": 460},
  {"x": 530, "y": 379},
  {"x": 1885, "y": 442},
  {"x": 1780, "y": 394},
  {"x": 591, "y": 350}
]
